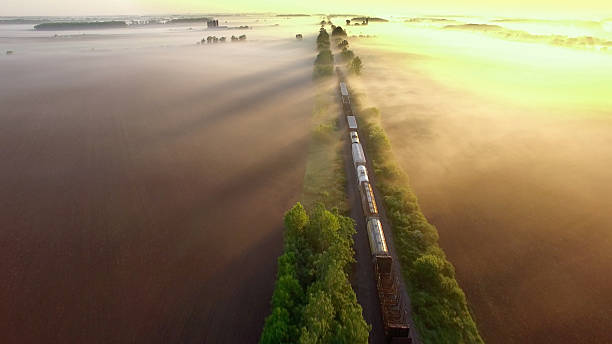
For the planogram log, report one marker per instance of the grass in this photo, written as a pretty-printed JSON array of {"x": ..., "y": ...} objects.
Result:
[
  {"x": 439, "y": 306},
  {"x": 324, "y": 179}
]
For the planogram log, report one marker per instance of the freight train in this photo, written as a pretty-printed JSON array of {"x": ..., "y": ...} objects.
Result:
[{"x": 394, "y": 314}]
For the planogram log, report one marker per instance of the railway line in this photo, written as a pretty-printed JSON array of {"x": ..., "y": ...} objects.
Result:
[{"x": 377, "y": 280}]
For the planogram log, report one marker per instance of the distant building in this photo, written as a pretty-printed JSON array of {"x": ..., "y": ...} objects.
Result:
[{"x": 212, "y": 23}]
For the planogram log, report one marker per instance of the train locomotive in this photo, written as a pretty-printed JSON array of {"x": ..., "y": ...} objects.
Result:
[{"x": 392, "y": 306}]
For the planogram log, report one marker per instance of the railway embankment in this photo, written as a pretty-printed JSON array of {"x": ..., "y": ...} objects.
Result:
[{"x": 439, "y": 306}]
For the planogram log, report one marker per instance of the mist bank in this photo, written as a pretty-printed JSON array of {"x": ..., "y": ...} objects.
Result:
[
  {"x": 81, "y": 25},
  {"x": 506, "y": 145},
  {"x": 560, "y": 40},
  {"x": 143, "y": 194}
]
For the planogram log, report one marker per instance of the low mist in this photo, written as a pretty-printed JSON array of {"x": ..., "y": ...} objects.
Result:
[
  {"x": 520, "y": 192},
  {"x": 144, "y": 179}
]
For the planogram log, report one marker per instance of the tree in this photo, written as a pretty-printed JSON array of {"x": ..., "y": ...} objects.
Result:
[
  {"x": 348, "y": 22},
  {"x": 343, "y": 44},
  {"x": 338, "y": 31},
  {"x": 347, "y": 55},
  {"x": 295, "y": 220},
  {"x": 325, "y": 57},
  {"x": 355, "y": 66}
]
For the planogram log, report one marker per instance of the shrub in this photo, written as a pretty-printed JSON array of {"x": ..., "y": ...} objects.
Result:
[
  {"x": 355, "y": 65},
  {"x": 324, "y": 57},
  {"x": 347, "y": 55}
]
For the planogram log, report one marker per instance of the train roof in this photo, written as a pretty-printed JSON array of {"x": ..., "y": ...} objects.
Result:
[
  {"x": 343, "y": 89},
  {"x": 378, "y": 244},
  {"x": 358, "y": 156},
  {"x": 362, "y": 174}
]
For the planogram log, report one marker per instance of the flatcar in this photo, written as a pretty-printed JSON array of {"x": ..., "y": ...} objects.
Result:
[
  {"x": 344, "y": 93},
  {"x": 394, "y": 315},
  {"x": 352, "y": 122}
]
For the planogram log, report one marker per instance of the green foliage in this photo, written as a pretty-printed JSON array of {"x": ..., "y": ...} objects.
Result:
[
  {"x": 440, "y": 307},
  {"x": 81, "y": 25},
  {"x": 324, "y": 57},
  {"x": 324, "y": 62},
  {"x": 323, "y": 71},
  {"x": 339, "y": 31},
  {"x": 347, "y": 55},
  {"x": 323, "y": 40},
  {"x": 355, "y": 65},
  {"x": 325, "y": 178},
  {"x": 313, "y": 301}
]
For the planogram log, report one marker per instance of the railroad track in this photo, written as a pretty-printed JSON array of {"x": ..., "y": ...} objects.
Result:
[{"x": 377, "y": 280}]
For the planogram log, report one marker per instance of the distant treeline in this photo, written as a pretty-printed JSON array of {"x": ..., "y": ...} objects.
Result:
[
  {"x": 188, "y": 20},
  {"x": 215, "y": 39},
  {"x": 293, "y": 15},
  {"x": 440, "y": 308},
  {"x": 20, "y": 21},
  {"x": 81, "y": 25},
  {"x": 369, "y": 19},
  {"x": 313, "y": 301}
]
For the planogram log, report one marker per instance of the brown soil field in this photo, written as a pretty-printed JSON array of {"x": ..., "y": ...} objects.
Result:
[
  {"x": 521, "y": 197},
  {"x": 142, "y": 191}
]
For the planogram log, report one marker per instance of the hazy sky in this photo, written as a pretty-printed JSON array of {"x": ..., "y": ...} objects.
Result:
[{"x": 382, "y": 7}]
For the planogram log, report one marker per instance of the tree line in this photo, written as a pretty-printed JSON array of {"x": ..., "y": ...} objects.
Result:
[
  {"x": 313, "y": 301},
  {"x": 324, "y": 62},
  {"x": 353, "y": 63}
]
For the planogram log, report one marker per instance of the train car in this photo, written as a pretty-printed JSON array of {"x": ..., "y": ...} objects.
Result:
[
  {"x": 344, "y": 93},
  {"x": 368, "y": 202},
  {"x": 378, "y": 245},
  {"x": 347, "y": 109},
  {"x": 362, "y": 174},
  {"x": 352, "y": 122},
  {"x": 343, "y": 89},
  {"x": 358, "y": 156},
  {"x": 394, "y": 316}
]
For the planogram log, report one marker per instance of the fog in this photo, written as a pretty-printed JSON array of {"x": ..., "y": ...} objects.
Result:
[
  {"x": 512, "y": 167},
  {"x": 144, "y": 179}
]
